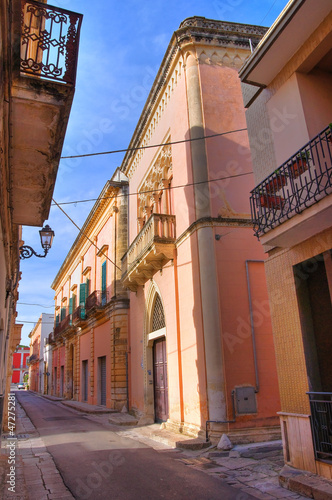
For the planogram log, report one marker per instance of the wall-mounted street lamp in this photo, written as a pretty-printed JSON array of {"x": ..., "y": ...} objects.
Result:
[{"x": 46, "y": 239}]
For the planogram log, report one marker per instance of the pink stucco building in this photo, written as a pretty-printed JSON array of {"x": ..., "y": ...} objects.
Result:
[
  {"x": 195, "y": 345},
  {"x": 200, "y": 342}
]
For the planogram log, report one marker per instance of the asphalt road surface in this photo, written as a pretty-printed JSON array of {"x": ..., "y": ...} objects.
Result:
[{"x": 96, "y": 463}]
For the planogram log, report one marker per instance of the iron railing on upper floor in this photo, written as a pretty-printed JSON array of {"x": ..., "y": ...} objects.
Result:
[
  {"x": 96, "y": 300},
  {"x": 49, "y": 41},
  {"x": 304, "y": 179},
  {"x": 321, "y": 424}
]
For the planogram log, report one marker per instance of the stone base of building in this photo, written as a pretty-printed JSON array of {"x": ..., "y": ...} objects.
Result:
[{"x": 305, "y": 483}]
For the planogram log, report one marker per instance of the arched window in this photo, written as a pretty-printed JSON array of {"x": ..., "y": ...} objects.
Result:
[{"x": 158, "y": 318}]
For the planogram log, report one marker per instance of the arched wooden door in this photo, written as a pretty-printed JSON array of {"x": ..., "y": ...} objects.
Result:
[
  {"x": 159, "y": 362},
  {"x": 160, "y": 380}
]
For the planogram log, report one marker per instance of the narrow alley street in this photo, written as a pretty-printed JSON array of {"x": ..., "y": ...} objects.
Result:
[{"x": 97, "y": 463}]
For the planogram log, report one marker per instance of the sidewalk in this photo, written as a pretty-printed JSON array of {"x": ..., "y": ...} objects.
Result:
[
  {"x": 36, "y": 475},
  {"x": 252, "y": 469}
]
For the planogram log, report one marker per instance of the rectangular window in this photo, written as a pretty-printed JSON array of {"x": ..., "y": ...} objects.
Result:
[
  {"x": 83, "y": 297},
  {"x": 85, "y": 380},
  {"x": 71, "y": 305},
  {"x": 63, "y": 313},
  {"x": 103, "y": 284}
]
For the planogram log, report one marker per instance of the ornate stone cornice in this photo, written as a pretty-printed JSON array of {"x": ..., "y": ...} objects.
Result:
[
  {"x": 193, "y": 33},
  {"x": 212, "y": 24},
  {"x": 220, "y": 33}
]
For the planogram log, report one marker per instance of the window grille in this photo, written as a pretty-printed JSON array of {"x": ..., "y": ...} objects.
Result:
[{"x": 158, "y": 318}]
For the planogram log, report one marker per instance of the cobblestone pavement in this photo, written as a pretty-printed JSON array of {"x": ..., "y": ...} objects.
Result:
[{"x": 253, "y": 469}]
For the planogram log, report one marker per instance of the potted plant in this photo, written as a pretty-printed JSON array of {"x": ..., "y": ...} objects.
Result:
[
  {"x": 270, "y": 201},
  {"x": 277, "y": 182},
  {"x": 300, "y": 164}
]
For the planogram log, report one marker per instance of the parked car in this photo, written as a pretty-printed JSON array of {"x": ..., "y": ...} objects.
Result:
[{"x": 21, "y": 386}]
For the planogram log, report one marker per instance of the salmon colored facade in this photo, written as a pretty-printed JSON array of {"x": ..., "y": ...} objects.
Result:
[
  {"x": 201, "y": 352},
  {"x": 195, "y": 348},
  {"x": 89, "y": 343},
  {"x": 287, "y": 86}
]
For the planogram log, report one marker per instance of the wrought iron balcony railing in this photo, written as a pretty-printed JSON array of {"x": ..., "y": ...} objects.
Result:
[
  {"x": 63, "y": 325},
  {"x": 49, "y": 43},
  {"x": 302, "y": 180},
  {"x": 79, "y": 315},
  {"x": 321, "y": 424},
  {"x": 96, "y": 300}
]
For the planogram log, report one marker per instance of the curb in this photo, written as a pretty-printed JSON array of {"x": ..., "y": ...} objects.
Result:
[{"x": 305, "y": 483}]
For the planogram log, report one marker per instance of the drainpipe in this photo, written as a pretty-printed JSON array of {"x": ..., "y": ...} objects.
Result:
[
  {"x": 253, "y": 338},
  {"x": 221, "y": 421},
  {"x": 254, "y": 351}
]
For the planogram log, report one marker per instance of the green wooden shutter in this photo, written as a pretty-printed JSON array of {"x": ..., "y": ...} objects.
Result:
[
  {"x": 87, "y": 287},
  {"x": 103, "y": 276},
  {"x": 82, "y": 294},
  {"x": 57, "y": 319},
  {"x": 82, "y": 299},
  {"x": 71, "y": 305},
  {"x": 103, "y": 283},
  {"x": 63, "y": 313}
]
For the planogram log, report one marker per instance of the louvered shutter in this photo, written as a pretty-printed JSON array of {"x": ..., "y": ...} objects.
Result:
[{"x": 103, "y": 283}]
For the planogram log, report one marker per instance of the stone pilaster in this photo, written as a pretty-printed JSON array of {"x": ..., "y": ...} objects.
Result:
[
  {"x": 92, "y": 362},
  {"x": 207, "y": 262},
  {"x": 119, "y": 336}
]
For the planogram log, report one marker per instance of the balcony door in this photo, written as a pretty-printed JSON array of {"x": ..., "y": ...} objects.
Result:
[{"x": 160, "y": 380}]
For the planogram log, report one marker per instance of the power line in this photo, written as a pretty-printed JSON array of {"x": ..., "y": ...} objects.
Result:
[
  {"x": 39, "y": 305},
  {"x": 275, "y": 1},
  {"x": 153, "y": 190},
  {"x": 33, "y": 322},
  {"x": 152, "y": 145},
  {"x": 84, "y": 234}
]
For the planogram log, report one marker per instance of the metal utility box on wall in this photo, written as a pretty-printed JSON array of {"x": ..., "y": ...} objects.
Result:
[{"x": 245, "y": 400}]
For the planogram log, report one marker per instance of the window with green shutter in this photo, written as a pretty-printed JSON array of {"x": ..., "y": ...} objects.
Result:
[
  {"x": 57, "y": 320},
  {"x": 103, "y": 283},
  {"x": 83, "y": 297},
  {"x": 87, "y": 282},
  {"x": 71, "y": 305},
  {"x": 63, "y": 313}
]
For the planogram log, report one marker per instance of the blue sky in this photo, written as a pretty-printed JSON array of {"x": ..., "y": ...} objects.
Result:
[{"x": 122, "y": 45}]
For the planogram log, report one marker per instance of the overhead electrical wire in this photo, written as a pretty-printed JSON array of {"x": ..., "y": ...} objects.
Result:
[
  {"x": 152, "y": 145},
  {"x": 84, "y": 234},
  {"x": 28, "y": 304},
  {"x": 153, "y": 190},
  {"x": 142, "y": 192}
]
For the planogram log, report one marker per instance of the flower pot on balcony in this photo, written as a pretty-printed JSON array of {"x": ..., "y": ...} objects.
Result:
[
  {"x": 276, "y": 183},
  {"x": 271, "y": 201},
  {"x": 298, "y": 167}
]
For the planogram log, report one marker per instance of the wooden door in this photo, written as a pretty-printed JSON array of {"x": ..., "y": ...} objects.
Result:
[
  {"x": 102, "y": 368},
  {"x": 160, "y": 380}
]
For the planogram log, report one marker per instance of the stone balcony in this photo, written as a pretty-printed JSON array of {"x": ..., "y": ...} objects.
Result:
[
  {"x": 152, "y": 248},
  {"x": 42, "y": 62}
]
